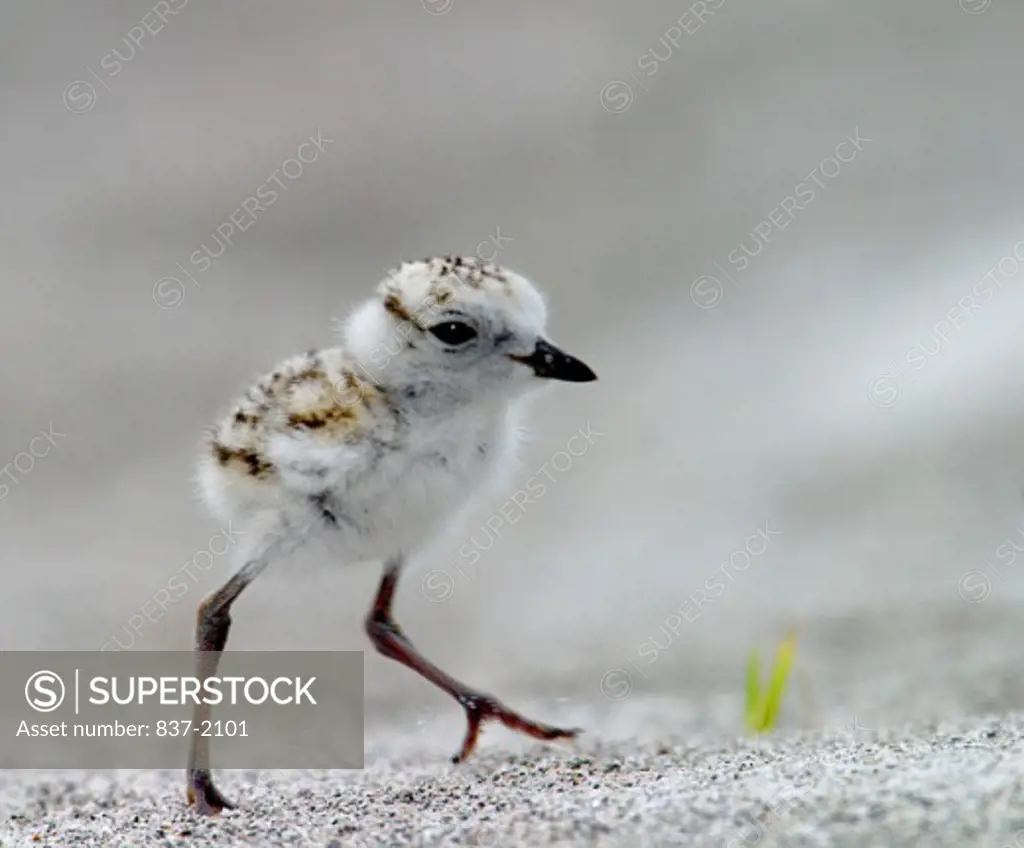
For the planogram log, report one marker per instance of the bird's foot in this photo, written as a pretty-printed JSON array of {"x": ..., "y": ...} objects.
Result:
[
  {"x": 480, "y": 708},
  {"x": 206, "y": 797}
]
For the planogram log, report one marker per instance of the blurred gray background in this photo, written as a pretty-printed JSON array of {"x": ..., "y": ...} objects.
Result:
[{"x": 826, "y": 391}]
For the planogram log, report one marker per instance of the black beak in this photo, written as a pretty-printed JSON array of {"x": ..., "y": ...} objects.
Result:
[{"x": 554, "y": 364}]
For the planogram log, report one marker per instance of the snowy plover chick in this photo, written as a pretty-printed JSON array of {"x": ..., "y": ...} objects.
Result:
[{"x": 379, "y": 442}]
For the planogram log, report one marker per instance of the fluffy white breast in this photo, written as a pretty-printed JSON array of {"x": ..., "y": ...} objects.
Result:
[{"x": 413, "y": 493}]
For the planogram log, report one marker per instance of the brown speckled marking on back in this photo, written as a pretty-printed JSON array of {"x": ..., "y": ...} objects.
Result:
[
  {"x": 335, "y": 406},
  {"x": 304, "y": 393},
  {"x": 249, "y": 459}
]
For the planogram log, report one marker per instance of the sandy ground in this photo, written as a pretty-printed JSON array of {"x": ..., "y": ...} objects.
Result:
[
  {"x": 853, "y": 762},
  {"x": 952, "y": 784}
]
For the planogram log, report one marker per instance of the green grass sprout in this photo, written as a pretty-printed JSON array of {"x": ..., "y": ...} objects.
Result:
[
  {"x": 753, "y": 687},
  {"x": 762, "y": 704}
]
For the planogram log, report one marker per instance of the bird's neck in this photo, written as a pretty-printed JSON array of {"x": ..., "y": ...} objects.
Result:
[{"x": 439, "y": 399}]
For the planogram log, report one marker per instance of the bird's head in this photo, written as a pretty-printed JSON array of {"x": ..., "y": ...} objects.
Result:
[{"x": 458, "y": 326}]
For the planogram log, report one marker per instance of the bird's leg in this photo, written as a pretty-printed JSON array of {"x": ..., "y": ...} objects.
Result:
[
  {"x": 212, "y": 624},
  {"x": 389, "y": 640},
  {"x": 270, "y": 536}
]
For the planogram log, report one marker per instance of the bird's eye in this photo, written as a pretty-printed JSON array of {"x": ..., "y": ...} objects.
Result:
[{"x": 453, "y": 332}]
